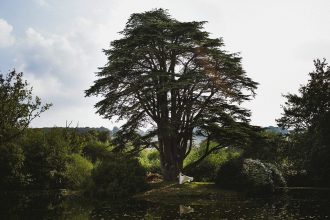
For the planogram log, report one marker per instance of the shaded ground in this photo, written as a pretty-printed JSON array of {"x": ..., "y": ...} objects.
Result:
[{"x": 173, "y": 192}]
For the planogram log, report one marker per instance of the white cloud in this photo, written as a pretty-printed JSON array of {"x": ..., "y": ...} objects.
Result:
[
  {"x": 42, "y": 2},
  {"x": 6, "y": 37},
  {"x": 60, "y": 67}
]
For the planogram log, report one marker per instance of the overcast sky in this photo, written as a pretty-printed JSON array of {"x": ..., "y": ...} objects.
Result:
[{"x": 58, "y": 45}]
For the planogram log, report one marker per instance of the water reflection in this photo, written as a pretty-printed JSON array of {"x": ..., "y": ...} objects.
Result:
[
  {"x": 185, "y": 209},
  {"x": 297, "y": 204}
]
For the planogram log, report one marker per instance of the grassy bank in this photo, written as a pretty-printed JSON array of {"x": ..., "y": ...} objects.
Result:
[{"x": 172, "y": 192}]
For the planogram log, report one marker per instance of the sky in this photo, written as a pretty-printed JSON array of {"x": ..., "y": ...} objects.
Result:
[{"x": 58, "y": 44}]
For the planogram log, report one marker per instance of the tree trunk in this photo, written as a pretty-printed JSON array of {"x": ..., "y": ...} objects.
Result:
[
  {"x": 171, "y": 165},
  {"x": 169, "y": 143},
  {"x": 170, "y": 158}
]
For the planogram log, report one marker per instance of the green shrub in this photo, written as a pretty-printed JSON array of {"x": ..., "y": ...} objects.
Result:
[
  {"x": 117, "y": 177},
  {"x": 45, "y": 158},
  {"x": 150, "y": 160},
  {"x": 95, "y": 150},
  {"x": 207, "y": 169},
  {"x": 256, "y": 177},
  {"x": 229, "y": 174},
  {"x": 251, "y": 176},
  {"x": 277, "y": 175},
  {"x": 78, "y": 171},
  {"x": 11, "y": 166}
]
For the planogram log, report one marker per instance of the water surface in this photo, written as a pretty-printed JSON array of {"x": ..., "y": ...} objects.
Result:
[{"x": 295, "y": 204}]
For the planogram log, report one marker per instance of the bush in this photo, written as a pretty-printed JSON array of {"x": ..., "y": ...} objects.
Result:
[
  {"x": 277, "y": 175},
  {"x": 257, "y": 178},
  {"x": 46, "y": 157},
  {"x": 11, "y": 166},
  {"x": 117, "y": 177},
  {"x": 78, "y": 171},
  {"x": 207, "y": 169},
  {"x": 229, "y": 174},
  {"x": 251, "y": 176},
  {"x": 95, "y": 150},
  {"x": 150, "y": 160}
]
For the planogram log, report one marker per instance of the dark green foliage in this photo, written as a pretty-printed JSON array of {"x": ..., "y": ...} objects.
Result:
[
  {"x": 40, "y": 158},
  {"x": 95, "y": 134},
  {"x": 204, "y": 171},
  {"x": 103, "y": 136},
  {"x": 118, "y": 178},
  {"x": 207, "y": 168},
  {"x": 251, "y": 176},
  {"x": 308, "y": 113},
  {"x": 174, "y": 75},
  {"x": 45, "y": 158},
  {"x": 267, "y": 146},
  {"x": 229, "y": 174},
  {"x": 96, "y": 151},
  {"x": 50, "y": 158},
  {"x": 308, "y": 109},
  {"x": 287, "y": 151},
  {"x": 12, "y": 174},
  {"x": 53, "y": 157},
  {"x": 17, "y": 106}
]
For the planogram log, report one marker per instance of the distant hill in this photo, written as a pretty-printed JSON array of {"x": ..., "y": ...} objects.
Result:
[
  {"x": 80, "y": 129},
  {"x": 115, "y": 129},
  {"x": 277, "y": 130},
  {"x": 86, "y": 129},
  {"x": 197, "y": 139}
]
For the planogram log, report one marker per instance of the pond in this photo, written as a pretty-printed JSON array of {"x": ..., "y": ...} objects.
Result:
[{"x": 295, "y": 204}]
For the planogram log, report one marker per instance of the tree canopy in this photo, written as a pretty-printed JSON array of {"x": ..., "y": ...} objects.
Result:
[
  {"x": 308, "y": 109},
  {"x": 308, "y": 113},
  {"x": 174, "y": 76},
  {"x": 17, "y": 106}
]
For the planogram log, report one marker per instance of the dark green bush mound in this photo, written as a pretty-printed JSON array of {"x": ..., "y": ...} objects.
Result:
[
  {"x": 251, "y": 176},
  {"x": 117, "y": 178},
  {"x": 229, "y": 174},
  {"x": 205, "y": 171},
  {"x": 11, "y": 166},
  {"x": 45, "y": 158},
  {"x": 96, "y": 151}
]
